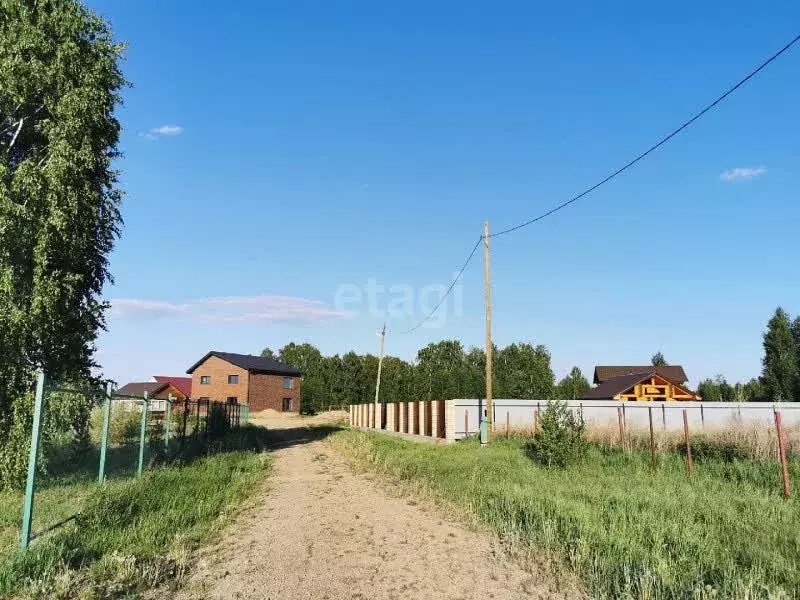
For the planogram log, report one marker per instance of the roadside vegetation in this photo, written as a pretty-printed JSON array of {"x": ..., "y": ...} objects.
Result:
[
  {"x": 626, "y": 531},
  {"x": 131, "y": 534}
]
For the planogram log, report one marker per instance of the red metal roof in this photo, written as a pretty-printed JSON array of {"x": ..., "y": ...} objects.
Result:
[{"x": 182, "y": 384}]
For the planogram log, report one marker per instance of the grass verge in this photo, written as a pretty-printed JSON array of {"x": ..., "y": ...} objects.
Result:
[
  {"x": 625, "y": 531},
  {"x": 133, "y": 534}
]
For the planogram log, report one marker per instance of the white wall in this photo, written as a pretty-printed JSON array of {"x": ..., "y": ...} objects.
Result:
[{"x": 666, "y": 415}]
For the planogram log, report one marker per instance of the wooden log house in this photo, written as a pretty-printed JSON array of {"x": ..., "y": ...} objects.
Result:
[{"x": 640, "y": 384}]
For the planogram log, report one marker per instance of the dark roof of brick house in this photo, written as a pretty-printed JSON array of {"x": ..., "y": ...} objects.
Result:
[
  {"x": 674, "y": 373},
  {"x": 139, "y": 388},
  {"x": 249, "y": 362},
  {"x": 182, "y": 384}
]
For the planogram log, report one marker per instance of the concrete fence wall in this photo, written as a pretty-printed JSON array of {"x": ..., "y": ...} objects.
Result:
[
  {"x": 426, "y": 418},
  {"x": 522, "y": 414},
  {"x": 450, "y": 420}
]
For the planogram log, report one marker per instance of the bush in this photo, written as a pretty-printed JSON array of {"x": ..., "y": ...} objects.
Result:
[
  {"x": 218, "y": 423},
  {"x": 561, "y": 439},
  {"x": 64, "y": 434},
  {"x": 123, "y": 427},
  {"x": 704, "y": 449}
]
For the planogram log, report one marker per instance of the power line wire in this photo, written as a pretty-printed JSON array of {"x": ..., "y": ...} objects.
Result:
[
  {"x": 654, "y": 147},
  {"x": 450, "y": 289},
  {"x": 619, "y": 171}
]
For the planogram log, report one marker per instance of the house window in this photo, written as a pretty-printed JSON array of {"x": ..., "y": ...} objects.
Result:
[
  {"x": 232, "y": 399},
  {"x": 233, "y": 379},
  {"x": 287, "y": 405},
  {"x": 288, "y": 383},
  {"x": 205, "y": 379}
]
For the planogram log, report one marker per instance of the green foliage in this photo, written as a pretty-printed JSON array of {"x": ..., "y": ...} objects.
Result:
[
  {"x": 523, "y": 371},
  {"x": 65, "y": 431},
  {"x": 658, "y": 360},
  {"x": 573, "y": 386},
  {"x": 625, "y": 531},
  {"x": 561, "y": 439},
  {"x": 780, "y": 362},
  {"x": 59, "y": 200},
  {"x": 123, "y": 426},
  {"x": 706, "y": 450},
  {"x": 442, "y": 370},
  {"x": 218, "y": 424},
  {"x": 719, "y": 390},
  {"x": 15, "y": 431},
  {"x": 749, "y": 391},
  {"x": 130, "y": 533}
]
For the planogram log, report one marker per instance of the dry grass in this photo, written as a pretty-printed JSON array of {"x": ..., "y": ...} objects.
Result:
[{"x": 759, "y": 441}]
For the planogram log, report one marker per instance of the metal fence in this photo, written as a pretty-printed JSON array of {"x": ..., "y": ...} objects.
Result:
[{"x": 183, "y": 420}]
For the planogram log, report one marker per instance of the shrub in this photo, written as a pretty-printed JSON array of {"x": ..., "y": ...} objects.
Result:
[
  {"x": 704, "y": 449},
  {"x": 64, "y": 434},
  {"x": 218, "y": 423},
  {"x": 561, "y": 439},
  {"x": 123, "y": 427}
]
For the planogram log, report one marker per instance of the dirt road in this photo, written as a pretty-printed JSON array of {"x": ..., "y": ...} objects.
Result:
[{"x": 318, "y": 531}]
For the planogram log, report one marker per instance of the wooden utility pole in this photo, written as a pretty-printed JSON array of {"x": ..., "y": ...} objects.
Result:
[
  {"x": 487, "y": 273},
  {"x": 378, "y": 382}
]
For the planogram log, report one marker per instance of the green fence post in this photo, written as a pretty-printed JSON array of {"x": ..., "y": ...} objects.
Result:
[
  {"x": 167, "y": 422},
  {"x": 27, "y": 511},
  {"x": 142, "y": 436},
  {"x": 101, "y": 476}
]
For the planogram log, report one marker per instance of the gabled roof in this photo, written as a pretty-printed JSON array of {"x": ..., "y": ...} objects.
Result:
[
  {"x": 182, "y": 384},
  {"x": 674, "y": 373},
  {"x": 609, "y": 389},
  {"x": 139, "y": 388},
  {"x": 254, "y": 364},
  {"x": 616, "y": 385}
]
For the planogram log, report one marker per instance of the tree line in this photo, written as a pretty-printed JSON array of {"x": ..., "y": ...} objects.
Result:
[
  {"x": 446, "y": 369},
  {"x": 780, "y": 368},
  {"x": 441, "y": 370}
]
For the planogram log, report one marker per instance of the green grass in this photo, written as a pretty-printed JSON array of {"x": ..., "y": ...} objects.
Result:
[
  {"x": 130, "y": 534},
  {"x": 625, "y": 531},
  {"x": 59, "y": 495}
]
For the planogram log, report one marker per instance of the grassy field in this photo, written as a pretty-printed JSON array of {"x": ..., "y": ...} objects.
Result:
[
  {"x": 625, "y": 531},
  {"x": 130, "y": 534}
]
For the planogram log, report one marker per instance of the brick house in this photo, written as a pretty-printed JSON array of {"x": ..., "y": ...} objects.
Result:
[{"x": 262, "y": 383}]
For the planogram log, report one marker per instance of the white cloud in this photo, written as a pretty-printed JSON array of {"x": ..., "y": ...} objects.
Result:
[
  {"x": 742, "y": 173},
  {"x": 164, "y": 130},
  {"x": 145, "y": 309},
  {"x": 230, "y": 309}
]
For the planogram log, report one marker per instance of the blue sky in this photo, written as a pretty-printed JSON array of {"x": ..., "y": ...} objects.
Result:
[{"x": 279, "y": 156}]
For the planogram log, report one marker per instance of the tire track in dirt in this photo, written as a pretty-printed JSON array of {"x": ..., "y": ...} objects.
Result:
[{"x": 320, "y": 532}]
